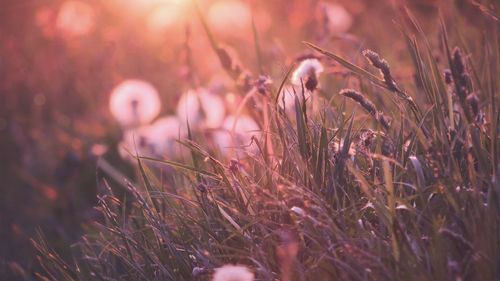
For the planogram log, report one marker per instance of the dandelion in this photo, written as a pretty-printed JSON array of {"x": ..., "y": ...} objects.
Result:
[
  {"x": 338, "y": 20},
  {"x": 213, "y": 108},
  {"x": 75, "y": 18},
  {"x": 134, "y": 103},
  {"x": 135, "y": 142},
  {"x": 244, "y": 129},
  {"x": 155, "y": 140},
  {"x": 286, "y": 100},
  {"x": 232, "y": 273},
  {"x": 188, "y": 108},
  {"x": 162, "y": 135},
  {"x": 307, "y": 74},
  {"x": 201, "y": 108}
]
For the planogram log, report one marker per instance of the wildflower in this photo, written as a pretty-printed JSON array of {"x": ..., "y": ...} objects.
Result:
[
  {"x": 75, "y": 18},
  {"x": 337, "y": 19},
  {"x": 201, "y": 108},
  {"x": 307, "y": 74},
  {"x": 236, "y": 130},
  {"x": 233, "y": 273},
  {"x": 134, "y": 103}
]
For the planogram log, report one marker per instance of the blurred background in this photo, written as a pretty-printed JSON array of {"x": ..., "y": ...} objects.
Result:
[{"x": 61, "y": 60}]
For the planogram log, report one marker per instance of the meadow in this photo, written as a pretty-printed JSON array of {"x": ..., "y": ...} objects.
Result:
[{"x": 232, "y": 140}]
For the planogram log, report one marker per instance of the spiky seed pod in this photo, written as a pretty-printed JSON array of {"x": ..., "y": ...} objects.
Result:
[
  {"x": 225, "y": 59},
  {"x": 384, "y": 120},
  {"x": 382, "y": 65},
  {"x": 229, "y": 61},
  {"x": 367, "y": 105},
  {"x": 460, "y": 74},
  {"x": 458, "y": 62},
  {"x": 360, "y": 99},
  {"x": 473, "y": 104}
]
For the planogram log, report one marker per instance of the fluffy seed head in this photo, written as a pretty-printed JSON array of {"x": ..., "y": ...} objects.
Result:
[
  {"x": 286, "y": 100},
  {"x": 307, "y": 73},
  {"x": 134, "y": 102},
  {"x": 338, "y": 19},
  {"x": 163, "y": 133},
  {"x": 233, "y": 273},
  {"x": 201, "y": 108},
  {"x": 361, "y": 99},
  {"x": 383, "y": 67},
  {"x": 244, "y": 129}
]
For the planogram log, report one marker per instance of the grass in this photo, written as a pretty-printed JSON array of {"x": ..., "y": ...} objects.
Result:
[{"x": 417, "y": 199}]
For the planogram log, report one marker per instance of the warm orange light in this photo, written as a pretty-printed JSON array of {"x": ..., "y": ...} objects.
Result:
[
  {"x": 230, "y": 16},
  {"x": 75, "y": 18}
]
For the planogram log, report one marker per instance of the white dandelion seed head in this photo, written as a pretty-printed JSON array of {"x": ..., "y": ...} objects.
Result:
[
  {"x": 286, "y": 100},
  {"x": 135, "y": 142},
  {"x": 134, "y": 102},
  {"x": 214, "y": 109},
  {"x": 304, "y": 69},
  {"x": 201, "y": 108},
  {"x": 233, "y": 273},
  {"x": 163, "y": 134},
  {"x": 339, "y": 19},
  {"x": 75, "y": 18},
  {"x": 188, "y": 108},
  {"x": 245, "y": 128}
]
